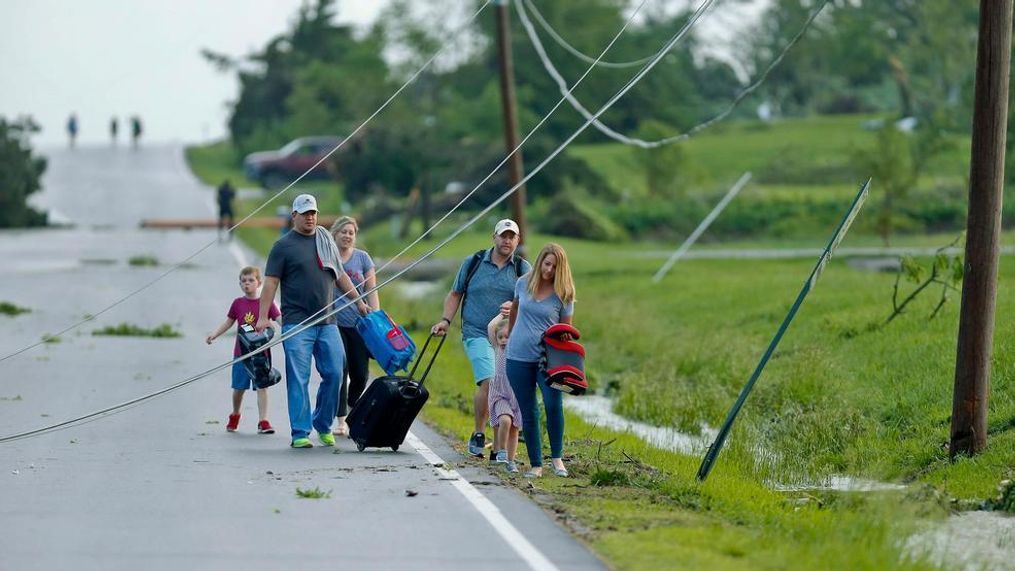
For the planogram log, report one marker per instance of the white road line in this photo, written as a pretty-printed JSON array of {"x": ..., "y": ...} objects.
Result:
[
  {"x": 238, "y": 254},
  {"x": 486, "y": 508},
  {"x": 528, "y": 552}
]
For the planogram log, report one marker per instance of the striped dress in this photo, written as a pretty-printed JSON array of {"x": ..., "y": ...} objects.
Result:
[{"x": 502, "y": 398}]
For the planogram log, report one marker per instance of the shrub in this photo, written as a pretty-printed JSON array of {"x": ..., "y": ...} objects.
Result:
[
  {"x": 19, "y": 174},
  {"x": 8, "y": 308},
  {"x": 573, "y": 214}
]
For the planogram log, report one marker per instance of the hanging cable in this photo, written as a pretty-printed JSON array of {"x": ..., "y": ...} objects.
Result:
[
  {"x": 574, "y": 51},
  {"x": 299, "y": 327},
  {"x": 630, "y": 83},
  {"x": 178, "y": 265},
  {"x": 312, "y": 321},
  {"x": 518, "y": 147},
  {"x": 606, "y": 130}
]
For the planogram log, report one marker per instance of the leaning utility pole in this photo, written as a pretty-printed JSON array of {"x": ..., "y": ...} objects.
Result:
[
  {"x": 983, "y": 226},
  {"x": 516, "y": 170}
]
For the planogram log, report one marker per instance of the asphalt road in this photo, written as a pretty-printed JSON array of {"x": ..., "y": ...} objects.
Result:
[{"x": 161, "y": 485}]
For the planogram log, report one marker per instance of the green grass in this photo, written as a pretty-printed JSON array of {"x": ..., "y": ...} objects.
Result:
[
  {"x": 217, "y": 162},
  {"x": 12, "y": 310},
  {"x": 839, "y": 397},
  {"x": 836, "y": 399},
  {"x": 314, "y": 493},
  {"x": 143, "y": 260},
  {"x": 718, "y": 156},
  {"x": 164, "y": 330}
]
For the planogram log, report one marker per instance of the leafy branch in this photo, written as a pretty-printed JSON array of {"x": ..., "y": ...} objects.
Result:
[{"x": 946, "y": 270}]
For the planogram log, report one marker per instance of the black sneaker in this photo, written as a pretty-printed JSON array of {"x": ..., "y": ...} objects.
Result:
[{"x": 477, "y": 444}]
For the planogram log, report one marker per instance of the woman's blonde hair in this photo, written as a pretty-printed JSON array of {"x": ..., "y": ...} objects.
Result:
[
  {"x": 342, "y": 222},
  {"x": 563, "y": 283}
]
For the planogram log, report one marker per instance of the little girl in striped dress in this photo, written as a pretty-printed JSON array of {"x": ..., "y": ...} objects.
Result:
[{"x": 505, "y": 416}]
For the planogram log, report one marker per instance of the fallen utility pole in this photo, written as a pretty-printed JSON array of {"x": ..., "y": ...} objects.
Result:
[
  {"x": 509, "y": 108},
  {"x": 724, "y": 431},
  {"x": 983, "y": 227},
  {"x": 679, "y": 253}
]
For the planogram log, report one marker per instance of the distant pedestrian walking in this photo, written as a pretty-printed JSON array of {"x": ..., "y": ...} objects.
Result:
[
  {"x": 114, "y": 129},
  {"x": 136, "y": 130},
  {"x": 225, "y": 194},
  {"x": 244, "y": 311},
  {"x": 72, "y": 129}
]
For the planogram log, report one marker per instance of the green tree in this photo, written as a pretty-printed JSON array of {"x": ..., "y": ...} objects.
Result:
[
  {"x": 895, "y": 162},
  {"x": 913, "y": 57},
  {"x": 316, "y": 78},
  {"x": 20, "y": 172},
  {"x": 666, "y": 168}
]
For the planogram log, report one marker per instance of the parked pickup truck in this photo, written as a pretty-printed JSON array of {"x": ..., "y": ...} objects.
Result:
[{"x": 275, "y": 169}]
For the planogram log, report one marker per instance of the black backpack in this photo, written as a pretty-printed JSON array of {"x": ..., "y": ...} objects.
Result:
[{"x": 473, "y": 266}]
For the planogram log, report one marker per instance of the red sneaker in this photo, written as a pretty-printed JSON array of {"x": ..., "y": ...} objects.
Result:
[
  {"x": 234, "y": 422},
  {"x": 264, "y": 427}
]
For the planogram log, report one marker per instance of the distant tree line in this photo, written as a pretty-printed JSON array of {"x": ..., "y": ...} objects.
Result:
[
  {"x": 897, "y": 57},
  {"x": 321, "y": 77}
]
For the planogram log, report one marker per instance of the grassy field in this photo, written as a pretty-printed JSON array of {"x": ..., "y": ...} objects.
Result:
[
  {"x": 721, "y": 154},
  {"x": 844, "y": 395}
]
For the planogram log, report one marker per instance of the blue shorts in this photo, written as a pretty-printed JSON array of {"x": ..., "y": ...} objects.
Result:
[
  {"x": 241, "y": 378},
  {"x": 480, "y": 354}
]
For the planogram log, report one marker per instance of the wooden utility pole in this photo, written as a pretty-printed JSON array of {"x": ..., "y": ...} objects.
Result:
[
  {"x": 516, "y": 171},
  {"x": 983, "y": 226}
]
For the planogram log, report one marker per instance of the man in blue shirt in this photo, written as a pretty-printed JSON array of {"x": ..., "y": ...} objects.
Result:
[{"x": 484, "y": 287}]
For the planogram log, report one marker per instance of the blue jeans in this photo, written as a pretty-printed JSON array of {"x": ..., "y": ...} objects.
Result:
[
  {"x": 524, "y": 378},
  {"x": 322, "y": 342}
]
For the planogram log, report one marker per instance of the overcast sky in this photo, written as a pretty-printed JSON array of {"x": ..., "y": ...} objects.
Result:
[{"x": 106, "y": 58}]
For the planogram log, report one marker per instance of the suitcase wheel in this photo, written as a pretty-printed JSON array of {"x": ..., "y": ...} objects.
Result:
[
  {"x": 394, "y": 448},
  {"x": 360, "y": 447}
]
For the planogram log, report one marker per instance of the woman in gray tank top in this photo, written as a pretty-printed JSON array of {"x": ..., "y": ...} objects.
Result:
[
  {"x": 543, "y": 297},
  {"x": 360, "y": 268}
]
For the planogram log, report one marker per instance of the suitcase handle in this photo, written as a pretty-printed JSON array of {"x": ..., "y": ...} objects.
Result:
[{"x": 412, "y": 373}]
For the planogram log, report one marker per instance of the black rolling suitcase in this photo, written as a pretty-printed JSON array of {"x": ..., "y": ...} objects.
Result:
[{"x": 385, "y": 411}]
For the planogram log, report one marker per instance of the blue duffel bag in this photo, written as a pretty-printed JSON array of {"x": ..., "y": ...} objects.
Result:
[{"x": 387, "y": 341}]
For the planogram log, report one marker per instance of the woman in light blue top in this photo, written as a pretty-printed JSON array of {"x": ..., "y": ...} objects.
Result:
[
  {"x": 543, "y": 297},
  {"x": 360, "y": 268}
]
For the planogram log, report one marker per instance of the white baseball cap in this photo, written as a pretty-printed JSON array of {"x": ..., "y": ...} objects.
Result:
[
  {"x": 505, "y": 225},
  {"x": 304, "y": 203}
]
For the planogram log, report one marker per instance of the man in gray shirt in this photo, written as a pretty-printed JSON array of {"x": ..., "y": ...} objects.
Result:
[
  {"x": 486, "y": 280},
  {"x": 307, "y": 281}
]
